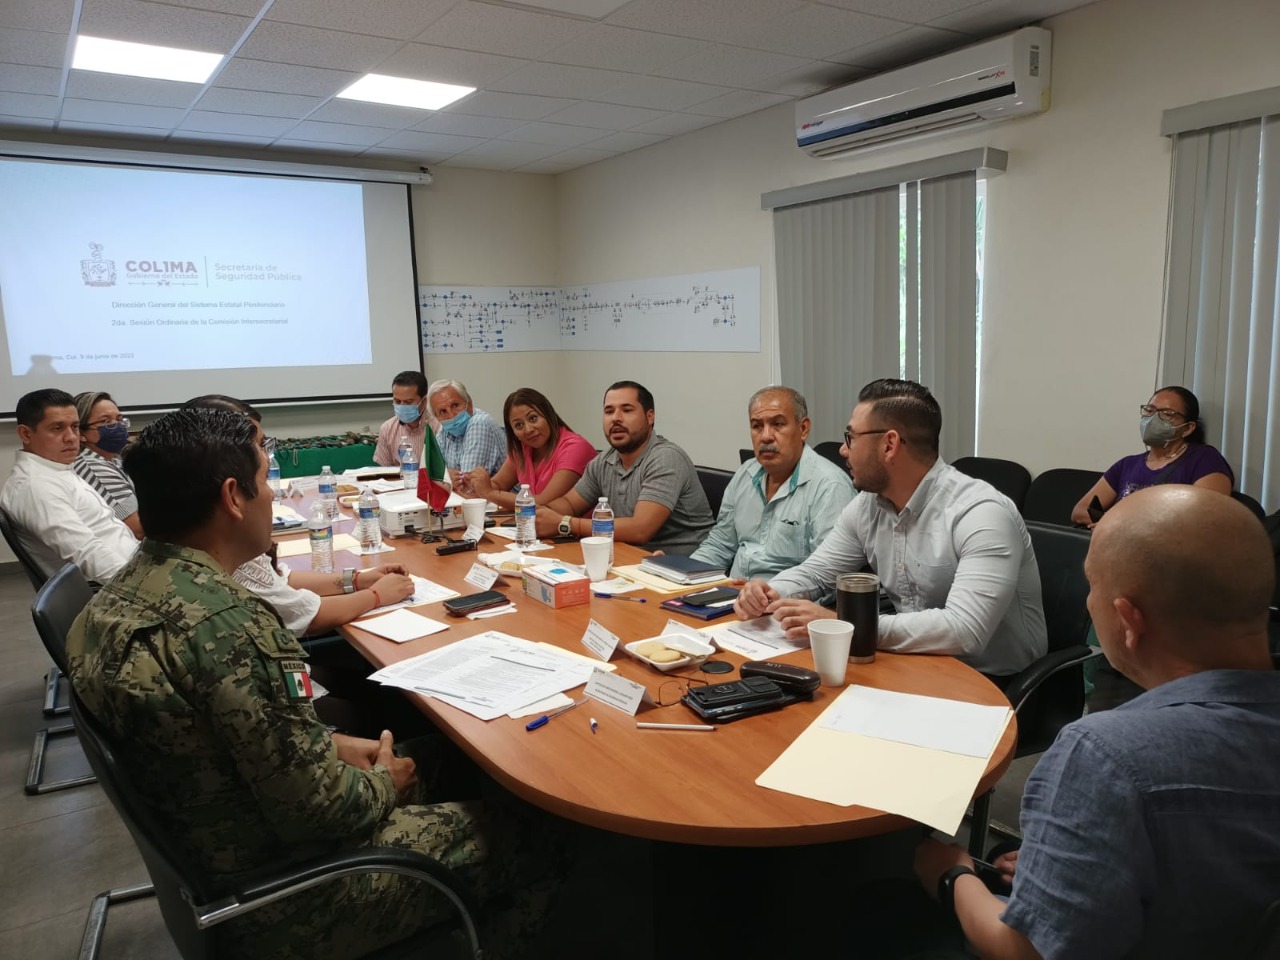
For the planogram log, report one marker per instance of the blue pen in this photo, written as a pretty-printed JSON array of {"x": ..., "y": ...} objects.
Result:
[
  {"x": 614, "y": 596},
  {"x": 543, "y": 720}
]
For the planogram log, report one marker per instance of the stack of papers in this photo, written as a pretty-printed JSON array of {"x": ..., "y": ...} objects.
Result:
[
  {"x": 682, "y": 569},
  {"x": 490, "y": 674},
  {"x": 760, "y": 639},
  {"x": 424, "y": 591}
]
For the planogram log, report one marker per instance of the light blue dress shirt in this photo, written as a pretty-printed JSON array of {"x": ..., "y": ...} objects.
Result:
[
  {"x": 758, "y": 538},
  {"x": 957, "y": 563},
  {"x": 483, "y": 445}
]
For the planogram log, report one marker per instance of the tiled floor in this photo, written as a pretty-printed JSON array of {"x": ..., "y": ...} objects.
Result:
[{"x": 58, "y": 850}]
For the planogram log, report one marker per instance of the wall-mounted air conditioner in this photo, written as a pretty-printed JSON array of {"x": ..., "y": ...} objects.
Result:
[{"x": 993, "y": 80}]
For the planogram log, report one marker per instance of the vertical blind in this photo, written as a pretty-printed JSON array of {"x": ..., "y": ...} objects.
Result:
[
  {"x": 865, "y": 293},
  {"x": 1222, "y": 304}
]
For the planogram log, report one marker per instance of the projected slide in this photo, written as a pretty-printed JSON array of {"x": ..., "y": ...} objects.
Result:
[{"x": 116, "y": 270}]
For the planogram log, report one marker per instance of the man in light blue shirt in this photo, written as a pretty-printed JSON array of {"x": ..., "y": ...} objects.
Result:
[
  {"x": 780, "y": 505},
  {"x": 468, "y": 437},
  {"x": 952, "y": 552}
]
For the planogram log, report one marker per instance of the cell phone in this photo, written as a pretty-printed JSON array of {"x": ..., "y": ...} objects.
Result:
[
  {"x": 461, "y": 606},
  {"x": 1095, "y": 509},
  {"x": 704, "y": 598},
  {"x": 726, "y": 702}
]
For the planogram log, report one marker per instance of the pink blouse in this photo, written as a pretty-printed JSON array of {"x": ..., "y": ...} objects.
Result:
[{"x": 573, "y": 452}]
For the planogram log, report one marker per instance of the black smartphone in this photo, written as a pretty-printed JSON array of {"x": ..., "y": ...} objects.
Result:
[
  {"x": 1095, "y": 510},
  {"x": 460, "y": 606},
  {"x": 704, "y": 598}
]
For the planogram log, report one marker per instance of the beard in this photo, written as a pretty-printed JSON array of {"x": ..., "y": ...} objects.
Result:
[{"x": 873, "y": 477}]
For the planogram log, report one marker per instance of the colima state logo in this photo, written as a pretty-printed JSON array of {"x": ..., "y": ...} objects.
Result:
[{"x": 97, "y": 271}]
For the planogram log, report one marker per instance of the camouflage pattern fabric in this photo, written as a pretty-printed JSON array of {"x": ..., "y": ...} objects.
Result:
[{"x": 205, "y": 692}]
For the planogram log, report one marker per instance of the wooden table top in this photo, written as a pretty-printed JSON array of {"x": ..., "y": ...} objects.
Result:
[{"x": 686, "y": 787}]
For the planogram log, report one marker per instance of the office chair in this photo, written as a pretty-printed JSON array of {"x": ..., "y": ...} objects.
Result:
[
  {"x": 1054, "y": 493},
  {"x": 714, "y": 482},
  {"x": 1254, "y": 506},
  {"x": 1265, "y": 942},
  {"x": 51, "y": 706},
  {"x": 745, "y": 454},
  {"x": 830, "y": 449},
  {"x": 1010, "y": 478},
  {"x": 193, "y": 905},
  {"x": 55, "y": 608},
  {"x": 1049, "y": 694}
]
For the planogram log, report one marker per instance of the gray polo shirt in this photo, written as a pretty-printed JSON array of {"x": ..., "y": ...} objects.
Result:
[{"x": 663, "y": 474}]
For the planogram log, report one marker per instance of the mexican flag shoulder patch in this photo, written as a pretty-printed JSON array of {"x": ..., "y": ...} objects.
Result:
[{"x": 297, "y": 682}]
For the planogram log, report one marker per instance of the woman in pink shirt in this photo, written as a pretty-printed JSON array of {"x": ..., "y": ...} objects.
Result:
[{"x": 541, "y": 451}]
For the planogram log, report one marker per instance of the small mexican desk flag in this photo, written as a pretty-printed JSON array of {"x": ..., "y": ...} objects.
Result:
[{"x": 433, "y": 483}]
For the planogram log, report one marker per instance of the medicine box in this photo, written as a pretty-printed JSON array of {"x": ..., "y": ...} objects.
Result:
[{"x": 556, "y": 585}]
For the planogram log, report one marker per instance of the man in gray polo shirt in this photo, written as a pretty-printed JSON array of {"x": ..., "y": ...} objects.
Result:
[{"x": 652, "y": 486}]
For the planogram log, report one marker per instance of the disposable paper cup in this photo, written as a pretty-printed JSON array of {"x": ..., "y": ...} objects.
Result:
[
  {"x": 473, "y": 512},
  {"x": 595, "y": 556},
  {"x": 829, "y": 640}
]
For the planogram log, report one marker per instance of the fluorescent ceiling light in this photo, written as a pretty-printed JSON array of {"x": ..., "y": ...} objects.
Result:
[
  {"x": 143, "y": 60},
  {"x": 403, "y": 92}
]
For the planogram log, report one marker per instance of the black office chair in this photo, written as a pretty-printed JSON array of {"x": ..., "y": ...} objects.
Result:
[
  {"x": 714, "y": 482},
  {"x": 55, "y": 608},
  {"x": 1251, "y": 503},
  {"x": 1265, "y": 943},
  {"x": 37, "y": 577},
  {"x": 745, "y": 454},
  {"x": 1010, "y": 478},
  {"x": 193, "y": 905},
  {"x": 1053, "y": 494},
  {"x": 1049, "y": 694},
  {"x": 830, "y": 449}
]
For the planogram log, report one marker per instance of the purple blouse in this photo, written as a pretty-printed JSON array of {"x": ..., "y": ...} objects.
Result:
[{"x": 1132, "y": 473}]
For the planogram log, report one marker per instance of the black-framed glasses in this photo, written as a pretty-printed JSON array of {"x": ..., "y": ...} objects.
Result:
[
  {"x": 1164, "y": 413},
  {"x": 852, "y": 435},
  {"x": 671, "y": 691}
]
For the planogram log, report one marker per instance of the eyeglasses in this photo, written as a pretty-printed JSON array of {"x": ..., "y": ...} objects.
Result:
[
  {"x": 1164, "y": 413},
  {"x": 107, "y": 422},
  {"x": 670, "y": 692},
  {"x": 850, "y": 435}
]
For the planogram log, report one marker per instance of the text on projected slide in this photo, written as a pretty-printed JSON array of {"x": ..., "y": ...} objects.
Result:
[
  {"x": 121, "y": 270},
  {"x": 717, "y": 311}
]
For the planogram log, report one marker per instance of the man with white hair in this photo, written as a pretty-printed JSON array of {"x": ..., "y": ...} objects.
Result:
[{"x": 468, "y": 437}]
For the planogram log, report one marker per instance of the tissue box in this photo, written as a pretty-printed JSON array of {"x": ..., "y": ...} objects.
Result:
[{"x": 556, "y": 586}]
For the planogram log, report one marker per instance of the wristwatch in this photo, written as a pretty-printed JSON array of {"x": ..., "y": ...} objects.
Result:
[
  {"x": 566, "y": 527},
  {"x": 349, "y": 580},
  {"x": 947, "y": 887}
]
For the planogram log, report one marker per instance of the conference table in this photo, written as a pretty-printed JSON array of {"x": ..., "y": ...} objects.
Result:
[{"x": 676, "y": 786}]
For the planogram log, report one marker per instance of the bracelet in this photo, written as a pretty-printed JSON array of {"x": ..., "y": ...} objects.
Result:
[
  {"x": 355, "y": 578},
  {"x": 947, "y": 888},
  {"x": 377, "y": 602}
]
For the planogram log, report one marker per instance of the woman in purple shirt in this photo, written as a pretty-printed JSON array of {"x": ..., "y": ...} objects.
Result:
[{"x": 1176, "y": 453}]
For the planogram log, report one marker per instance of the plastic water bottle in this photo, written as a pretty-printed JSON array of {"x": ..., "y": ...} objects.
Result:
[
  {"x": 321, "y": 539},
  {"x": 526, "y": 516},
  {"x": 273, "y": 475},
  {"x": 370, "y": 522},
  {"x": 602, "y": 523},
  {"x": 408, "y": 464},
  {"x": 329, "y": 492}
]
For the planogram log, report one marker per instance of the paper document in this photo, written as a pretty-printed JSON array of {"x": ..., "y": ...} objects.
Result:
[
  {"x": 424, "y": 591},
  {"x": 294, "y": 548},
  {"x": 759, "y": 639},
  {"x": 970, "y": 729},
  {"x": 402, "y": 626},
  {"x": 653, "y": 582}
]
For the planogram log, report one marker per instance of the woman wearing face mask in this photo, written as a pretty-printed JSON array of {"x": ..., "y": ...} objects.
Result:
[
  {"x": 103, "y": 434},
  {"x": 1169, "y": 424},
  {"x": 541, "y": 451}
]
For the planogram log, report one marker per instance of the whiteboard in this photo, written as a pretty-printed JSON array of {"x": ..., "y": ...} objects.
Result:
[{"x": 704, "y": 312}]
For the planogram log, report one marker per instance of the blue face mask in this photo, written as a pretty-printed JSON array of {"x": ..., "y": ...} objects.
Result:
[
  {"x": 112, "y": 437},
  {"x": 407, "y": 412},
  {"x": 458, "y": 425}
]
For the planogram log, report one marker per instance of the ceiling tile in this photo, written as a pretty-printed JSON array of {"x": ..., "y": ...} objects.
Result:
[
  {"x": 467, "y": 126},
  {"x": 346, "y": 133},
  {"x": 398, "y": 19},
  {"x": 674, "y": 124},
  {"x": 24, "y": 123},
  {"x": 513, "y": 150},
  {"x": 113, "y": 130},
  {"x": 245, "y": 74},
  {"x": 608, "y": 116},
  {"x": 470, "y": 162},
  {"x": 196, "y": 139},
  {"x": 557, "y": 80},
  {"x": 705, "y": 19},
  {"x": 908, "y": 11},
  {"x": 423, "y": 157},
  {"x": 659, "y": 93},
  {"x": 739, "y": 103},
  {"x": 626, "y": 140},
  {"x": 257, "y": 103},
  {"x": 732, "y": 66},
  {"x": 308, "y": 46},
  {"x": 53, "y": 16},
  {"x": 28, "y": 105},
  {"x": 207, "y": 121},
  {"x": 617, "y": 48},
  {"x": 311, "y": 147},
  {"x": 514, "y": 106},
  {"x": 549, "y": 166},
  {"x": 557, "y": 134},
  {"x": 33, "y": 47},
  {"x": 997, "y": 16},
  {"x": 141, "y": 22},
  {"x": 18, "y": 78},
  {"x": 502, "y": 30},
  {"x": 421, "y": 61},
  {"x": 907, "y": 46},
  {"x": 121, "y": 114},
  {"x": 84, "y": 85},
  {"x": 241, "y": 8},
  {"x": 429, "y": 142},
  {"x": 580, "y": 156},
  {"x": 814, "y": 31},
  {"x": 812, "y": 79},
  {"x": 369, "y": 114}
]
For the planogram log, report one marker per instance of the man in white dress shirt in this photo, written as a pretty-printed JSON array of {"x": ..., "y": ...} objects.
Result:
[
  {"x": 951, "y": 551},
  {"x": 58, "y": 517}
]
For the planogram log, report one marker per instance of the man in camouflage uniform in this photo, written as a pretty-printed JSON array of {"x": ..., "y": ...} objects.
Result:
[{"x": 206, "y": 692}]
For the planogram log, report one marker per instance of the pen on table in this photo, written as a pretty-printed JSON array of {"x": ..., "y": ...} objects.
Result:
[
  {"x": 546, "y": 718},
  {"x": 594, "y": 724},
  {"x": 614, "y": 596},
  {"x": 673, "y": 726}
]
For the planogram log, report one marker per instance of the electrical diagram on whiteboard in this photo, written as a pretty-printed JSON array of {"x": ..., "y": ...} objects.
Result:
[{"x": 700, "y": 312}]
